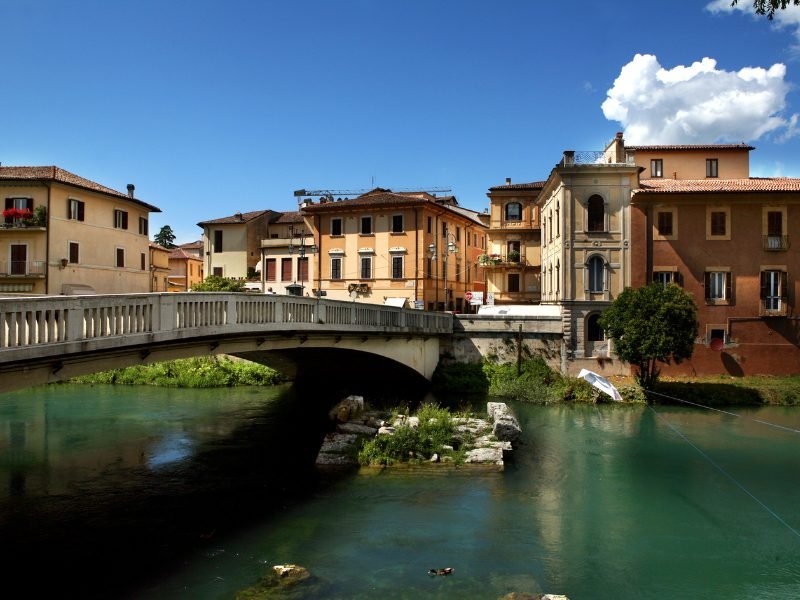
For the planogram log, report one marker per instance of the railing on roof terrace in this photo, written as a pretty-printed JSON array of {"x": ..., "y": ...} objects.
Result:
[{"x": 594, "y": 157}]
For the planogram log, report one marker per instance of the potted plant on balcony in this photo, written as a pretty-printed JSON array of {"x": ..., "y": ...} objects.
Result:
[
  {"x": 513, "y": 256},
  {"x": 17, "y": 217}
]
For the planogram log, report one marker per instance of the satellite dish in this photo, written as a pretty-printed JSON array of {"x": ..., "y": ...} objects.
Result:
[{"x": 353, "y": 295}]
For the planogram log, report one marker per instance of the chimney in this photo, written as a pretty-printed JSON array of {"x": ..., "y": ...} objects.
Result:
[
  {"x": 131, "y": 187},
  {"x": 674, "y": 174},
  {"x": 619, "y": 135},
  {"x": 238, "y": 216},
  {"x": 508, "y": 180}
]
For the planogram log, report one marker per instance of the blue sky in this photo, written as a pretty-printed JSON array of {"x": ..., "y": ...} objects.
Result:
[{"x": 210, "y": 108}]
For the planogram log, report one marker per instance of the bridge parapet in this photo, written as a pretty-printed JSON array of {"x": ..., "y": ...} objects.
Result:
[{"x": 63, "y": 320}]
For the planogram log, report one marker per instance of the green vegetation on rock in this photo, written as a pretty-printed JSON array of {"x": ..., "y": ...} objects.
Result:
[
  {"x": 214, "y": 283},
  {"x": 202, "y": 372}
]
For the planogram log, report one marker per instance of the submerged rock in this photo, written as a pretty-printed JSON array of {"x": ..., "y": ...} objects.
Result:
[
  {"x": 347, "y": 409},
  {"x": 485, "y": 456},
  {"x": 290, "y": 574}
]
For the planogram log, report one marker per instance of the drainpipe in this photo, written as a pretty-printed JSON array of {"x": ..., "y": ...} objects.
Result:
[
  {"x": 416, "y": 262},
  {"x": 47, "y": 245}
]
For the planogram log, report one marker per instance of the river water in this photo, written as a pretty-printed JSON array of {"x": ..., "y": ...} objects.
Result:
[{"x": 157, "y": 493}]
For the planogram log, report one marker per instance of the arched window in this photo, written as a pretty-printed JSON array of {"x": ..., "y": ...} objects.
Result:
[
  {"x": 597, "y": 270},
  {"x": 594, "y": 333},
  {"x": 513, "y": 211},
  {"x": 595, "y": 214}
]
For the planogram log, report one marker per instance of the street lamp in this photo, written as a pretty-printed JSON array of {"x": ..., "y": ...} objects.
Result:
[
  {"x": 301, "y": 250},
  {"x": 449, "y": 248}
]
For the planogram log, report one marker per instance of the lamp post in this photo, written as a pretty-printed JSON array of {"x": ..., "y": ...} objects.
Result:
[
  {"x": 301, "y": 250},
  {"x": 448, "y": 249}
]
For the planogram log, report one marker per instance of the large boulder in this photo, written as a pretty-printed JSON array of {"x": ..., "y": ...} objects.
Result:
[
  {"x": 506, "y": 427},
  {"x": 347, "y": 409},
  {"x": 290, "y": 574}
]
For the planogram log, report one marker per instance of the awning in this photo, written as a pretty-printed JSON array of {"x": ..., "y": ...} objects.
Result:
[{"x": 398, "y": 302}]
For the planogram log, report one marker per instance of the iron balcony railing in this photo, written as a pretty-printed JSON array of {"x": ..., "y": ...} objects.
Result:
[
  {"x": 776, "y": 242},
  {"x": 594, "y": 157},
  {"x": 773, "y": 306},
  {"x": 22, "y": 268}
]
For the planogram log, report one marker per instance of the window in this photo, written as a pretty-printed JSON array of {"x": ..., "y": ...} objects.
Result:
[
  {"x": 429, "y": 269},
  {"x": 773, "y": 290},
  {"x": 143, "y": 262},
  {"x": 120, "y": 219},
  {"x": 430, "y": 224},
  {"x": 712, "y": 167},
  {"x": 218, "y": 241},
  {"x": 75, "y": 209},
  {"x": 513, "y": 282},
  {"x": 594, "y": 333},
  {"x": 366, "y": 226},
  {"x": 397, "y": 224},
  {"x": 74, "y": 252},
  {"x": 595, "y": 214},
  {"x": 475, "y": 239},
  {"x": 397, "y": 267},
  {"x": 483, "y": 242},
  {"x": 513, "y": 251},
  {"x": 366, "y": 267},
  {"x": 550, "y": 225},
  {"x": 513, "y": 211},
  {"x": 664, "y": 277},
  {"x": 19, "y": 259},
  {"x": 718, "y": 285},
  {"x": 664, "y": 225},
  {"x": 444, "y": 229},
  {"x": 775, "y": 239},
  {"x": 302, "y": 268},
  {"x": 656, "y": 167},
  {"x": 336, "y": 226},
  {"x": 286, "y": 269},
  {"x": 596, "y": 267},
  {"x": 270, "y": 272},
  {"x": 336, "y": 267},
  {"x": 558, "y": 226},
  {"x": 217, "y": 271},
  {"x": 143, "y": 226},
  {"x": 458, "y": 271},
  {"x": 120, "y": 258},
  {"x": 19, "y": 204},
  {"x": 715, "y": 333},
  {"x": 718, "y": 223},
  {"x": 458, "y": 234}
]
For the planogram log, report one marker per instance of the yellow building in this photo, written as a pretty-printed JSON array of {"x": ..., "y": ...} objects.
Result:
[
  {"x": 185, "y": 270},
  {"x": 408, "y": 249},
  {"x": 287, "y": 263},
  {"x": 159, "y": 267},
  {"x": 513, "y": 257},
  {"x": 64, "y": 234}
]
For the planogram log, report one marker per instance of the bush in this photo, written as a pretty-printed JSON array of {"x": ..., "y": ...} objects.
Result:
[
  {"x": 460, "y": 378},
  {"x": 201, "y": 372},
  {"x": 214, "y": 283}
]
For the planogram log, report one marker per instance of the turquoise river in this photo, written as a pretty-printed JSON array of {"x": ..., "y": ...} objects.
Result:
[{"x": 123, "y": 492}]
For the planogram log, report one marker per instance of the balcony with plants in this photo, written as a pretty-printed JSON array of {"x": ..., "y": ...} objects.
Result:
[
  {"x": 24, "y": 218},
  {"x": 510, "y": 259}
]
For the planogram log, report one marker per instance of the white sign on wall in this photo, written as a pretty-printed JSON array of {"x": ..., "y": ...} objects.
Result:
[
  {"x": 489, "y": 298},
  {"x": 476, "y": 299}
]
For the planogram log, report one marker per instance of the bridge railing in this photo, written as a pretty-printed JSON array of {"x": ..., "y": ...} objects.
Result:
[{"x": 40, "y": 321}]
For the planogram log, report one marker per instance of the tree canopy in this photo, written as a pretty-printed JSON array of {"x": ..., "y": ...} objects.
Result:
[
  {"x": 165, "y": 237},
  {"x": 651, "y": 325},
  {"x": 214, "y": 283},
  {"x": 768, "y": 7}
]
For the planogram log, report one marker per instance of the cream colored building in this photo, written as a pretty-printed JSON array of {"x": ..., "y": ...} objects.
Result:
[
  {"x": 586, "y": 254},
  {"x": 232, "y": 244},
  {"x": 513, "y": 256},
  {"x": 288, "y": 262},
  {"x": 80, "y": 237}
]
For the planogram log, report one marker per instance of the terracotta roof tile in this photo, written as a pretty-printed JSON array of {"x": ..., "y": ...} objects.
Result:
[
  {"x": 182, "y": 254},
  {"x": 289, "y": 217},
  {"x": 701, "y": 186},
  {"x": 196, "y": 244},
  {"x": 53, "y": 173},
  {"x": 235, "y": 218},
  {"x": 533, "y": 185},
  {"x": 657, "y": 148}
]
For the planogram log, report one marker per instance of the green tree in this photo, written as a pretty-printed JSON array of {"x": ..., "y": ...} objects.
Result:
[
  {"x": 214, "y": 283},
  {"x": 768, "y": 7},
  {"x": 651, "y": 325},
  {"x": 165, "y": 237}
]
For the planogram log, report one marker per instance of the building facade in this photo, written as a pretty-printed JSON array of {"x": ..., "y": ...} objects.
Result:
[
  {"x": 513, "y": 255},
  {"x": 64, "y": 234},
  {"x": 159, "y": 267},
  {"x": 185, "y": 270},
  {"x": 409, "y": 249},
  {"x": 232, "y": 243},
  {"x": 288, "y": 264}
]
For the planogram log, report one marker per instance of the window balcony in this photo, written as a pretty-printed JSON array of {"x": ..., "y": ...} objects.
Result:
[
  {"x": 22, "y": 268},
  {"x": 773, "y": 307},
  {"x": 775, "y": 243}
]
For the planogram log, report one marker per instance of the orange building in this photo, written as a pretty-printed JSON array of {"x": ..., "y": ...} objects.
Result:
[{"x": 699, "y": 220}]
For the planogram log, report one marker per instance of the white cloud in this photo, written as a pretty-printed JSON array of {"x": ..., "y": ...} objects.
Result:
[
  {"x": 699, "y": 103},
  {"x": 788, "y": 17}
]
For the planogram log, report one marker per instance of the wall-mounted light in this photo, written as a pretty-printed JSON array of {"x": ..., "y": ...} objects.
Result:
[{"x": 64, "y": 263}]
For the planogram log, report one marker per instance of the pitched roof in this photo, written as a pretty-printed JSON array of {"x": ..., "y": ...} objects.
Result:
[
  {"x": 533, "y": 185},
  {"x": 658, "y": 148},
  {"x": 289, "y": 217},
  {"x": 382, "y": 198},
  {"x": 155, "y": 246},
  {"x": 235, "y": 218},
  {"x": 182, "y": 254},
  {"x": 53, "y": 173},
  {"x": 705, "y": 186},
  {"x": 196, "y": 244}
]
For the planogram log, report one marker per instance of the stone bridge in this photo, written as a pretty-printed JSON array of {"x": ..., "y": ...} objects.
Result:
[{"x": 48, "y": 339}]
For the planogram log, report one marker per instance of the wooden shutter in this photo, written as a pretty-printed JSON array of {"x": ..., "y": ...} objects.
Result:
[
  {"x": 784, "y": 285},
  {"x": 69, "y": 206},
  {"x": 707, "y": 284},
  {"x": 80, "y": 211},
  {"x": 270, "y": 269},
  {"x": 9, "y": 204},
  {"x": 728, "y": 280},
  {"x": 124, "y": 219},
  {"x": 29, "y": 204},
  {"x": 764, "y": 285}
]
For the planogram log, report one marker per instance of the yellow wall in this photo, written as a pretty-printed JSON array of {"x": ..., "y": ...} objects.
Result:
[{"x": 691, "y": 164}]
